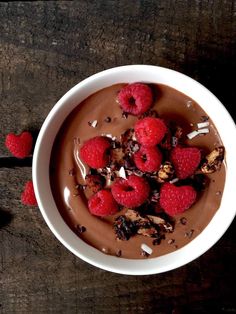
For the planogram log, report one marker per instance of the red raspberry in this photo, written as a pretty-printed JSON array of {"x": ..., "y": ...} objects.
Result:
[
  {"x": 132, "y": 192},
  {"x": 102, "y": 204},
  {"x": 28, "y": 196},
  {"x": 150, "y": 131},
  {"x": 135, "y": 98},
  {"x": 175, "y": 200},
  {"x": 148, "y": 159},
  {"x": 19, "y": 145},
  {"x": 185, "y": 161},
  {"x": 95, "y": 152}
]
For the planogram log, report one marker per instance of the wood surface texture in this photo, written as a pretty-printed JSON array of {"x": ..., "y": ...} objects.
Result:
[{"x": 45, "y": 49}]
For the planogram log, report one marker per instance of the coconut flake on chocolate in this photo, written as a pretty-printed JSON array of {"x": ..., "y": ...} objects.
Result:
[
  {"x": 94, "y": 123},
  {"x": 146, "y": 248},
  {"x": 203, "y": 131},
  {"x": 121, "y": 173},
  {"x": 192, "y": 134},
  {"x": 203, "y": 124}
]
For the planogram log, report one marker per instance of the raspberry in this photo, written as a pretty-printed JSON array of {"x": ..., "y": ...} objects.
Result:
[
  {"x": 175, "y": 200},
  {"x": 19, "y": 145},
  {"x": 135, "y": 98},
  {"x": 148, "y": 159},
  {"x": 102, "y": 204},
  {"x": 28, "y": 196},
  {"x": 95, "y": 152},
  {"x": 150, "y": 131},
  {"x": 132, "y": 192},
  {"x": 185, "y": 161}
]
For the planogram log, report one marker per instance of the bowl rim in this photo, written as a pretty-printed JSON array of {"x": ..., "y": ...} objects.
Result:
[{"x": 113, "y": 261}]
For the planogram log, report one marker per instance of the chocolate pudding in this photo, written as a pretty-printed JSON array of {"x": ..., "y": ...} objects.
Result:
[{"x": 100, "y": 114}]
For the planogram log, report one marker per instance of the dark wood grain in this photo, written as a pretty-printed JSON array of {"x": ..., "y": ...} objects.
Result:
[{"x": 45, "y": 49}]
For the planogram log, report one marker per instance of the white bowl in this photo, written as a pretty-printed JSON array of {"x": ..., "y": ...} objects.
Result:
[{"x": 134, "y": 73}]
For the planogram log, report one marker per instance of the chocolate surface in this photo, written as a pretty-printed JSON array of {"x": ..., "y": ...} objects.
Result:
[{"x": 68, "y": 172}]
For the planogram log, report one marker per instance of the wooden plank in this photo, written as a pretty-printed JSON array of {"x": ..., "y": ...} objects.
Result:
[
  {"x": 39, "y": 275},
  {"x": 45, "y": 49},
  {"x": 42, "y": 57}
]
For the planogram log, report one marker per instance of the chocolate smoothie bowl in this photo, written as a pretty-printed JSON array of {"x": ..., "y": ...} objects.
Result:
[{"x": 136, "y": 178}]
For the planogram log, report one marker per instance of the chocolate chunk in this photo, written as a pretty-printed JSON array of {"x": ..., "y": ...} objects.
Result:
[
  {"x": 107, "y": 119},
  {"x": 204, "y": 118},
  {"x": 189, "y": 234},
  {"x": 124, "y": 228},
  {"x": 124, "y": 115},
  {"x": 80, "y": 229},
  {"x": 183, "y": 220},
  {"x": 213, "y": 161},
  {"x": 158, "y": 239}
]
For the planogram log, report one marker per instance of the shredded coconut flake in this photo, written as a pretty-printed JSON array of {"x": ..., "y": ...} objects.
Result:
[
  {"x": 94, "y": 123},
  {"x": 107, "y": 135},
  {"x": 203, "y": 131},
  {"x": 174, "y": 180},
  {"x": 203, "y": 124},
  {"x": 108, "y": 170},
  {"x": 146, "y": 248},
  {"x": 192, "y": 134},
  {"x": 121, "y": 173}
]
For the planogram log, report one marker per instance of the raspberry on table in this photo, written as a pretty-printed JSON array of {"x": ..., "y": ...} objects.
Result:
[
  {"x": 102, "y": 204},
  {"x": 175, "y": 200},
  {"x": 135, "y": 98},
  {"x": 19, "y": 145},
  {"x": 28, "y": 195},
  {"x": 148, "y": 159},
  {"x": 150, "y": 131},
  {"x": 95, "y": 152},
  {"x": 130, "y": 192},
  {"x": 185, "y": 160}
]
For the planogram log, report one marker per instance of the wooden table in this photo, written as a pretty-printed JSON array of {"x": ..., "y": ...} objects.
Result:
[{"x": 45, "y": 49}]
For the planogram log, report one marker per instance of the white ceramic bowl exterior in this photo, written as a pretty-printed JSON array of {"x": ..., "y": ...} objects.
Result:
[{"x": 41, "y": 159}]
